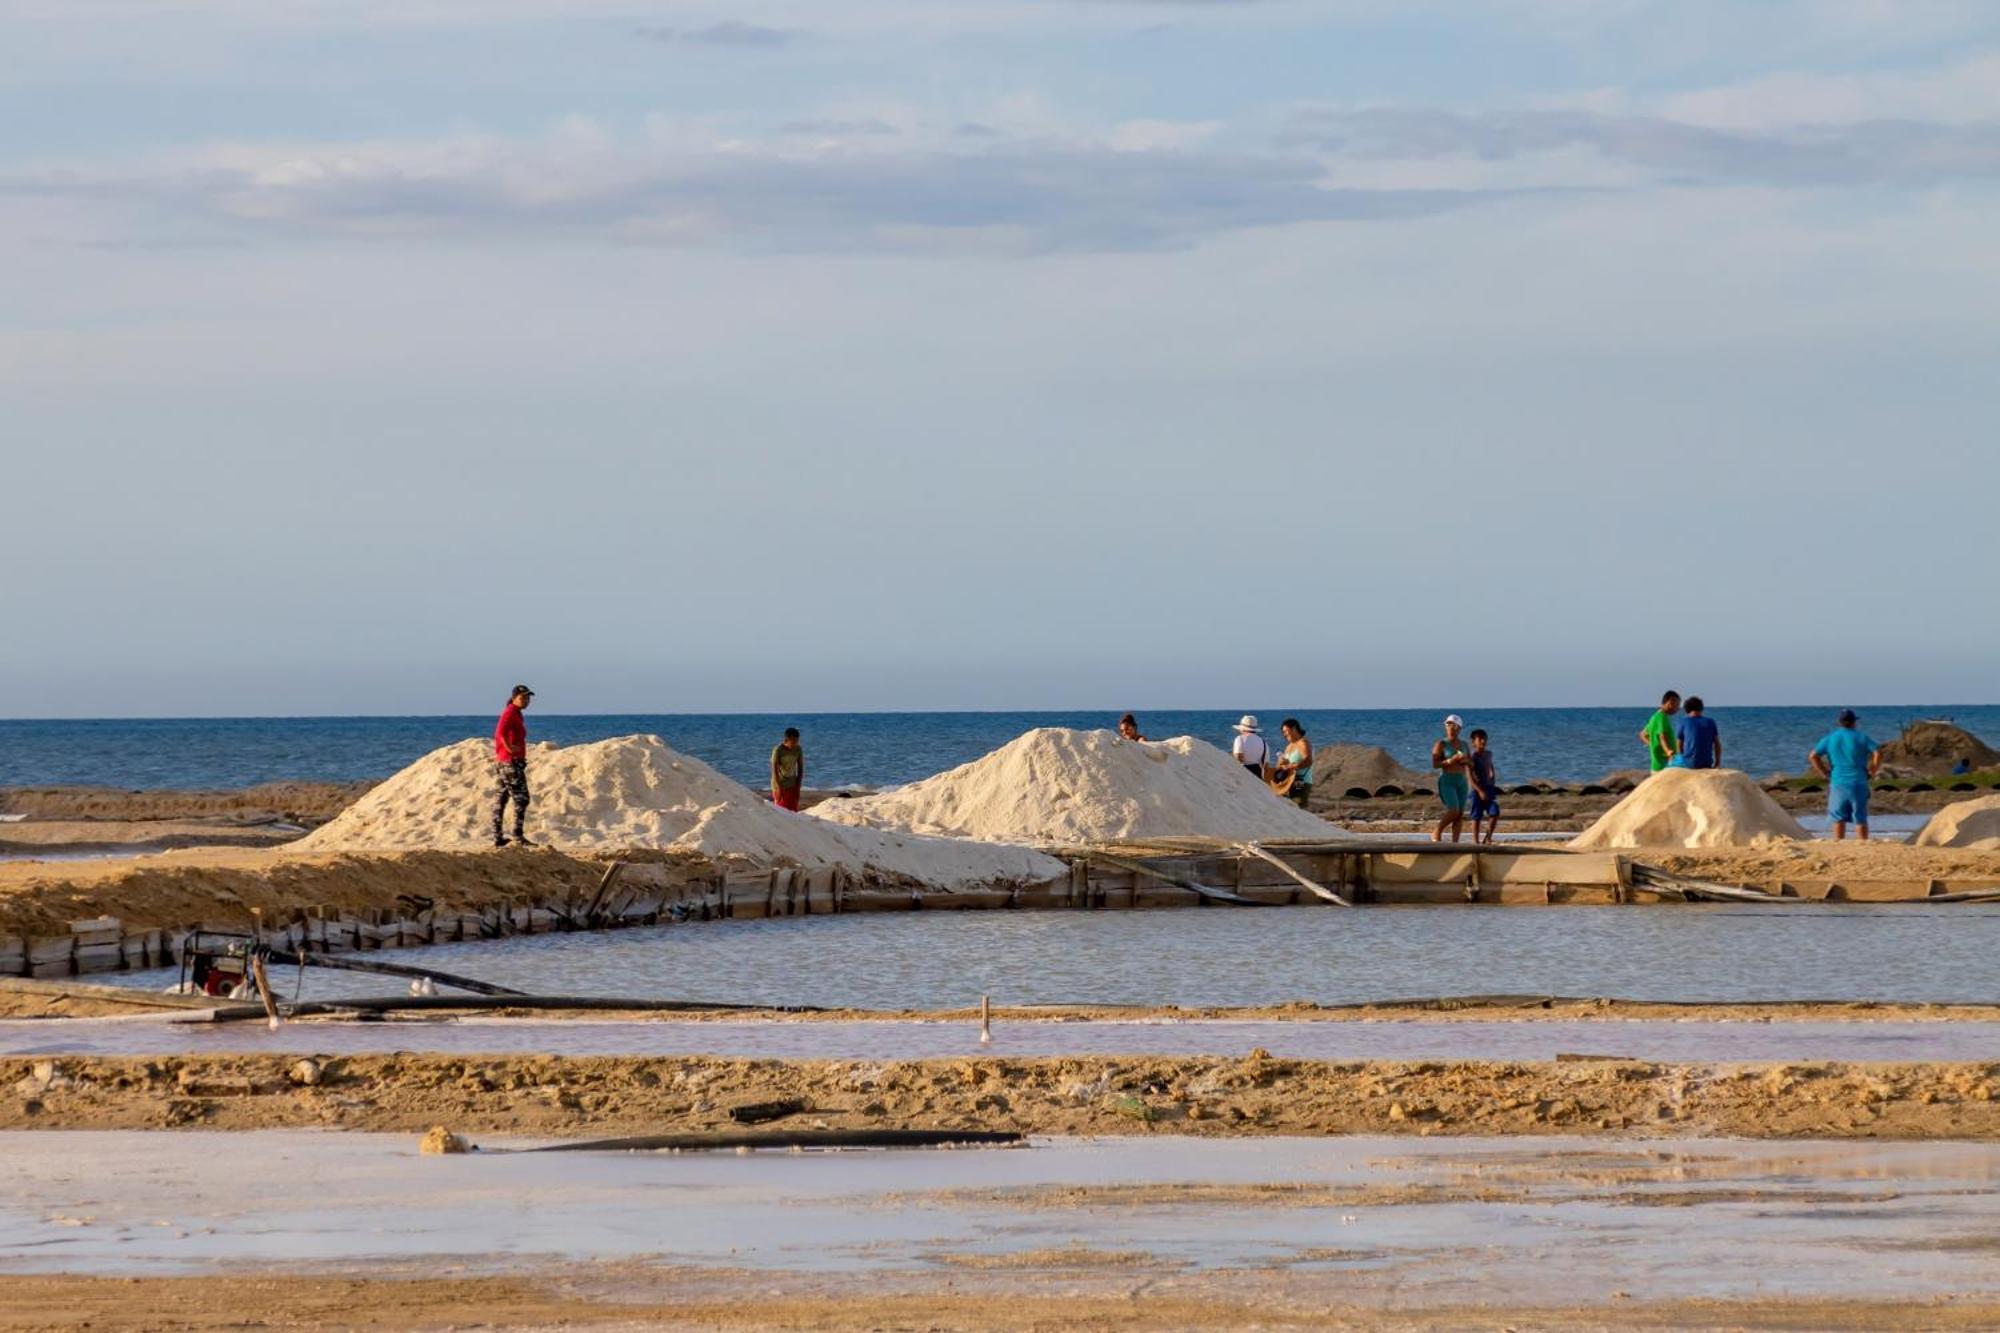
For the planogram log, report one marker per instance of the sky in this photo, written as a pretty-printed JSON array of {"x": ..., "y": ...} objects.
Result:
[{"x": 369, "y": 356}]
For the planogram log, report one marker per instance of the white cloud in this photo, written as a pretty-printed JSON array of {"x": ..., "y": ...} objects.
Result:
[{"x": 1134, "y": 187}]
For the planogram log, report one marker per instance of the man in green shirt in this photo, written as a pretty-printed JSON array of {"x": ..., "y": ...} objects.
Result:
[
  {"x": 1658, "y": 733},
  {"x": 788, "y": 771}
]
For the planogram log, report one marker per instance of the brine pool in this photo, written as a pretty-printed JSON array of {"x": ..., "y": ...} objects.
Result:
[{"x": 1908, "y": 952}]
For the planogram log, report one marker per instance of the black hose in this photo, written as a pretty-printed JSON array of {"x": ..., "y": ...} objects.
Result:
[
  {"x": 419, "y": 1003},
  {"x": 392, "y": 970},
  {"x": 791, "y": 1138}
]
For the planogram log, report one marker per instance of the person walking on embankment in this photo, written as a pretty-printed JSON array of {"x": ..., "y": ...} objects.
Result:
[
  {"x": 1453, "y": 763},
  {"x": 510, "y": 767},
  {"x": 1485, "y": 782},
  {"x": 1848, "y": 760},
  {"x": 788, "y": 771}
]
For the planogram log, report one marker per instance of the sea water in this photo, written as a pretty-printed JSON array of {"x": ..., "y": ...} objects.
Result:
[{"x": 879, "y": 749}]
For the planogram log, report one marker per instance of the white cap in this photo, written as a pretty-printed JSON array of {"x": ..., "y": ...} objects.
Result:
[
  {"x": 1249, "y": 722},
  {"x": 1453, "y": 720}
]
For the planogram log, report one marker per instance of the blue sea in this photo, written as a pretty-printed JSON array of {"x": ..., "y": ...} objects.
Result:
[{"x": 874, "y": 749}]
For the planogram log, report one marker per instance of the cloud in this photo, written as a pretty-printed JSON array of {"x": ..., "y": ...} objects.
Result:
[
  {"x": 729, "y": 32},
  {"x": 1022, "y": 194},
  {"x": 1868, "y": 152}
]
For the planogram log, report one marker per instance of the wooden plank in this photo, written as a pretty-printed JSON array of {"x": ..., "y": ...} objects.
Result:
[{"x": 1319, "y": 890}]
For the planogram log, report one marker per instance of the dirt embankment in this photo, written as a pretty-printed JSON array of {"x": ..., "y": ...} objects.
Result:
[
  {"x": 220, "y": 887},
  {"x": 600, "y": 1097},
  {"x": 306, "y": 803},
  {"x": 1819, "y": 860}
]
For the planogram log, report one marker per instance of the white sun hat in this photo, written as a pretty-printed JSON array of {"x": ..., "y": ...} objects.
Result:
[
  {"x": 1453, "y": 720},
  {"x": 1249, "y": 722}
]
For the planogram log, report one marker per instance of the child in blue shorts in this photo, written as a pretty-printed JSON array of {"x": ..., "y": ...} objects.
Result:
[{"x": 1485, "y": 788}]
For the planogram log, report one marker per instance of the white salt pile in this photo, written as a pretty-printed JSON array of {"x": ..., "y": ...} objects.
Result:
[
  {"x": 1974, "y": 824},
  {"x": 1057, "y": 785},
  {"x": 638, "y": 792},
  {"x": 1686, "y": 807}
]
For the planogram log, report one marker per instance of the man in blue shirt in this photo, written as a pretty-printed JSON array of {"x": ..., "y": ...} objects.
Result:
[
  {"x": 1700, "y": 740},
  {"x": 1847, "y": 759}
]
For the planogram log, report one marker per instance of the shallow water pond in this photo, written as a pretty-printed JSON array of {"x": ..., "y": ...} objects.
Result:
[
  {"x": 1241, "y": 956},
  {"x": 1438, "y": 1220}
]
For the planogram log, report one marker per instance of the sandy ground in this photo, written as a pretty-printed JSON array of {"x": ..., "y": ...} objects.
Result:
[
  {"x": 1027, "y": 1299},
  {"x": 1821, "y": 860},
  {"x": 294, "y": 802},
  {"x": 606, "y": 1097},
  {"x": 42, "y": 837}
]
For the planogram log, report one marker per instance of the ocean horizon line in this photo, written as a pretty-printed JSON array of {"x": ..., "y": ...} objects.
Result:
[{"x": 1111, "y": 710}]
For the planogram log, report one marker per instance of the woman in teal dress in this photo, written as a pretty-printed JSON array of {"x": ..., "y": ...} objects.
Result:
[
  {"x": 1296, "y": 763},
  {"x": 1452, "y": 761}
]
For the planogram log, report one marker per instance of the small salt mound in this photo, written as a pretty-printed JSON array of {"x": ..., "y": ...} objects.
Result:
[
  {"x": 1057, "y": 785},
  {"x": 638, "y": 792},
  {"x": 1974, "y": 824},
  {"x": 1688, "y": 807}
]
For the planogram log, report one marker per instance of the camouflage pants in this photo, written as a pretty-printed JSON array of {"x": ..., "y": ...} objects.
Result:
[{"x": 510, "y": 783}]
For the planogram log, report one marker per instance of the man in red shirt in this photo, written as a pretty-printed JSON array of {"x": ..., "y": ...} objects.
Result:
[{"x": 510, "y": 767}]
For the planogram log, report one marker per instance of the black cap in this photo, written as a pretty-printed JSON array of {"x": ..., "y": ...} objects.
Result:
[
  {"x": 522, "y": 689},
  {"x": 1847, "y": 717}
]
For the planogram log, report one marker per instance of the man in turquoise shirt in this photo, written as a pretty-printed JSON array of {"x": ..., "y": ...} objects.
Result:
[{"x": 1848, "y": 760}]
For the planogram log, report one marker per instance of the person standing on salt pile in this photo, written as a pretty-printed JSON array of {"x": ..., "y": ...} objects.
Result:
[
  {"x": 1698, "y": 741},
  {"x": 1452, "y": 762},
  {"x": 510, "y": 768},
  {"x": 1250, "y": 748},
  {"x": 1847, "y": 759},
  {"x": 788, "y": 771},
  {"x": 1296, "y": 760},
  {"x": 1485, "y": 779},
  {"x": 1128, "y": 727},
  {"x": 1658, "y": 733}
]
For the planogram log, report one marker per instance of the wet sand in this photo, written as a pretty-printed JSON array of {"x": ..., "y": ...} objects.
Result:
[
  {"x": 601, "y": 1096},
  {"x": 881, "y": 1038}
]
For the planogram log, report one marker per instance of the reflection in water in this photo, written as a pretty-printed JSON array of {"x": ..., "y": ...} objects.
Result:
[{"x": 1242, "y": 956}]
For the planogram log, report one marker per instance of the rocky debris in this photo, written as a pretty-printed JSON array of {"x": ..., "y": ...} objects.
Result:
[
  {"x": 1934, "y": 749},
  {"x": 442, "y": 1142}
]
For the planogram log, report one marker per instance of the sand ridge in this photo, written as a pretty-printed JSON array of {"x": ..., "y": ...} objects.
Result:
[
  {"x": 1686, "y": 807},
  {"x": 1058, "y": 785},
  {"x": 637, "y": 792}
]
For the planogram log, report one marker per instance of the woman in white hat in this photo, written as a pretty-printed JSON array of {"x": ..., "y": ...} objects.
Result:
[
  {"x": 1250, "y": 749},
  {"x": 1453, "y": 763}
]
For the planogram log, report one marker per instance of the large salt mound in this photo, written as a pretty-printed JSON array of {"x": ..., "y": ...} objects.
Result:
[
  {"x": 1688, "y": 807},
  {"x": 638, "y": 792},
  {"x": 1974, "y": 824},
  {"x": 1056, "y": 785}
]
